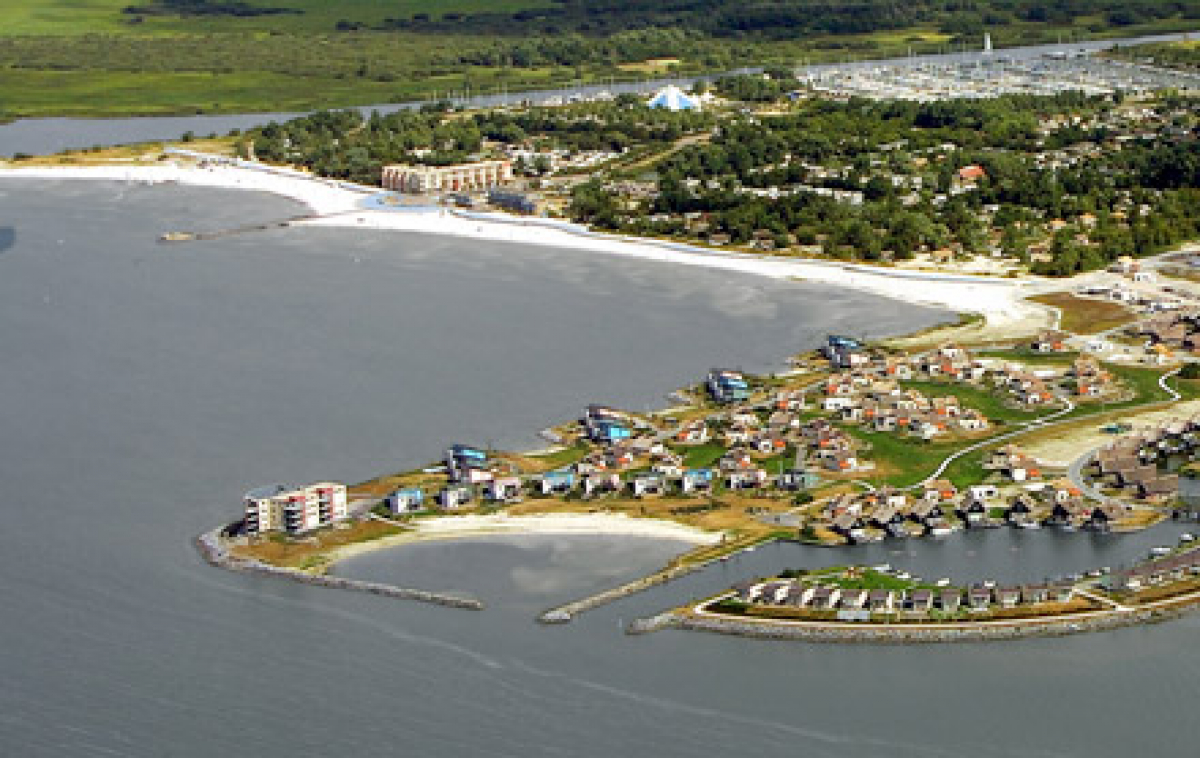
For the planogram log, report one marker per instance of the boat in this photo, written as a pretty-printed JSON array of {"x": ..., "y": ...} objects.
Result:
[
  {"x": 177, "y": 237},
  {"x": 1187, "y": 537},
  {"x": 1158, "y": 552}
]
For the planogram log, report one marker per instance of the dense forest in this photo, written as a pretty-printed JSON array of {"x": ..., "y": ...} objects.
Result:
[
  {"x": 785, "y": 19},
  {"x": 348, "y": 145},
  {"x": 1137, "y": 200}
]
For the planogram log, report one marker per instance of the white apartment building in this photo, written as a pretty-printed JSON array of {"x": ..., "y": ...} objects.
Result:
[
  {"x": 463, "y": 177},
  {"x": 279, "y": 509}
]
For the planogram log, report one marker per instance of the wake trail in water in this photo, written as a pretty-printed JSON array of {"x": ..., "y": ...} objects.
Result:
[{"x": 358, "y": 618}]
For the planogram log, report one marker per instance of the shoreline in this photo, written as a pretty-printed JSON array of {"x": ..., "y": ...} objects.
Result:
[
  {"x": 1000, "y": 303},
  {"x": 448, "y": 528},
  {"x": 335, "y": 204}
]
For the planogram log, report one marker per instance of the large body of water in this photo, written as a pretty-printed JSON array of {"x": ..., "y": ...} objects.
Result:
[{"x": 144, "y": 387}]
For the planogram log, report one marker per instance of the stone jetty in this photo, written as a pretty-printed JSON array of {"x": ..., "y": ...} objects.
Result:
[{"x": 211, "y": 546}]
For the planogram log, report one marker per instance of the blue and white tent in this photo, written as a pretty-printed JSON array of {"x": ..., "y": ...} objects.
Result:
[{"x": 674, "y": 99}]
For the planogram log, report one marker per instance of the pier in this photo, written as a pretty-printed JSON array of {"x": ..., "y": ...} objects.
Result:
[{"x": 219, "y": 233}]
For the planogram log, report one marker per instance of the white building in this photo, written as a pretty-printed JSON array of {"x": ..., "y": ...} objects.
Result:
[
  {"x": 464, "y": 177},
  {"x": 279, "y": 509},
  {"x": 674, "y": 99}
]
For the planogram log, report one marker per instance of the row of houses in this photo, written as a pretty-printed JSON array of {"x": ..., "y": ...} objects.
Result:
[
  {"x": 938, "y": 507},
  {"x": 798, "y": 594},
  {"x": 1136, "y": 464},
  {"x": 565, "y": 482},
  {"x": 1158, "y": 571},
  {"x": 1175, "y": 330}
]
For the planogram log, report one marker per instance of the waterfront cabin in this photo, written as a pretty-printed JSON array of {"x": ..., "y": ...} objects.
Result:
[
  {"x": 979, "y": 598},
  {"x": 608, "y": 432},
  {"x": 696, "y": 480},
  {"x": 1020, "y": 511},
  {"x": 852, "y": 526},
  {"x": 1035, "y": 593},
  {"x": 1008, "y": 597},
  {"x": 744, "y": 590},
  {"x": 774, "y": 593},
  {"x": 452, "y": 498},
  {"x": 406, "y": 500},
  {"x": 600, "y": 484},
  {"x": 1062, "y": 592},
  {"x": 880, "y": 601},
  {"x": 950, "y": 600},
  {"x": 726, "y": 386},
  {"x": 557, "y": 482},
  {"x": 973, "y": 512},
  {"x": 647, "y": 484},
  {"x": 824, "y": 598},
  {"x": 1100, "y": 519},
  {"x": 852, "y": 599},
  {"x": 504, "y": 488},
  {"x": 922, "y": 600},
  {"x": 460, "y": 459},
  {"x": 798, "y": 596}
]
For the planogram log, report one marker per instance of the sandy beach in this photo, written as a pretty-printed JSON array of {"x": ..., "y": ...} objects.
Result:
[
  {"x": 456, "y": 527},
  {"x": 1000, "y": 301}
]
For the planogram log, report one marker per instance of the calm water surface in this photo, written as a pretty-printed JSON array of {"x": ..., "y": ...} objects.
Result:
[{"x": 144, "y": 387}]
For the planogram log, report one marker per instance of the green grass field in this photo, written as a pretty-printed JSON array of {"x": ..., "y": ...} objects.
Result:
[
  {"x": 89, "y": 58},
  {"x": 973, "y": 397},
  {"x": 63, "y": 17}
]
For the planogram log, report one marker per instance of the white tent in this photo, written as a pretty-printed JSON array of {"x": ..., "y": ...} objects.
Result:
[{"x": 674, "y": 99}]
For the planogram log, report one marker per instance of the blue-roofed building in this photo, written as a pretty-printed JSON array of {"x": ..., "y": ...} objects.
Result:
[
  {"x": 696, "y": 480},
  {"x": 463, "y": 458},
  {"x": 837, "y": 340},
  {"x": 406, "y": 500},
  {"x": 608, "y": 431},
  {"x": 557, "y": 482},
  {"x": 726, "y": 386}
]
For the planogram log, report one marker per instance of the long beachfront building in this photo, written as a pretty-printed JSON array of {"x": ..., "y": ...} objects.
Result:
[
  {"x": 279, "y": 509},
  {"x": 463, "y": 177}
]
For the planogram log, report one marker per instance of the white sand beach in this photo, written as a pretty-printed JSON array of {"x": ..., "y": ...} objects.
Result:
[
  {"x": 456, "y": 527},
  {"x": 999, "y": 300}
]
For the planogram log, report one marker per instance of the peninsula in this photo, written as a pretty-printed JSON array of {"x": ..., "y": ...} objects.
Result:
[{"x": 1065, "y": 397}]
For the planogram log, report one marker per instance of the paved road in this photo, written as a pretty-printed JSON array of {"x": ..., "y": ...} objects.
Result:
[{"x": 1028, "y": 426}]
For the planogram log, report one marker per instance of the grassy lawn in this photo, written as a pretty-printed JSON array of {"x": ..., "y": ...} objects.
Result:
[
  {"x": 701, "y": 456},
  {"x": 560, "y": 458},
  {"x": 1086, "y": 316},
  {"x": 94, "y": 16},
  {"x": 863, "y": 579},
  {"x": 973, "y": 397},
  {"x": 310, "y": 552},
  {"x": 901, "y": 461},
  {"x": 25, "y": 92}
]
